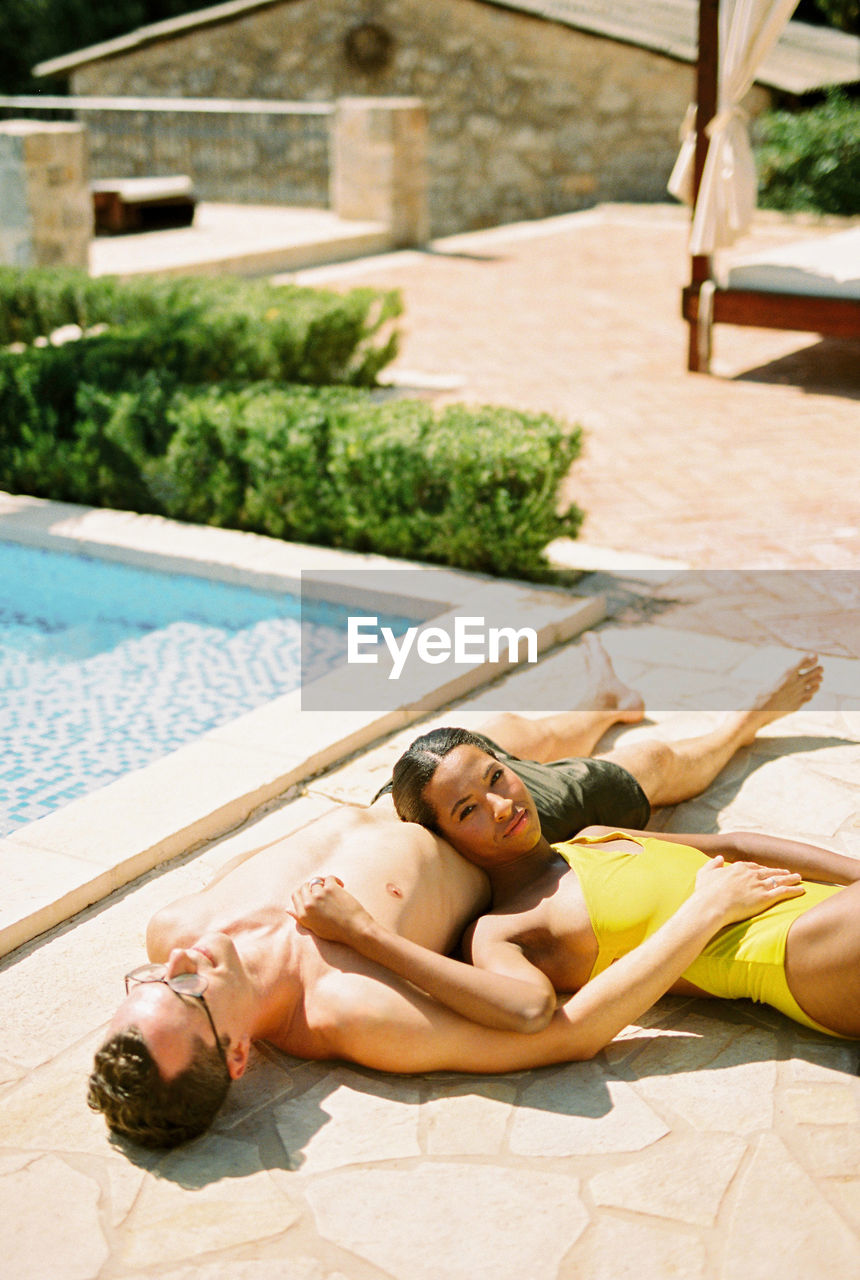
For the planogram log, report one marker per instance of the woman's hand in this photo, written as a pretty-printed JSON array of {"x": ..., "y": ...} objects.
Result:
[
  {"x": 739, "y": 890},
  {"x": 506, "y": 1001},
  {"x": 325, "y": 908}
]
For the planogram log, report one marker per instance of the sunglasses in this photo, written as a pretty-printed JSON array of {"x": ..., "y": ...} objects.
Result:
[{"x": 184, "y": 984}]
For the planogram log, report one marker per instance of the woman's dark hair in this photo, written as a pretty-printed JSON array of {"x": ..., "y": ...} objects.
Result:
[
  {"x": 416, "y": 767},
  {"x": 139, "y": 1104}
]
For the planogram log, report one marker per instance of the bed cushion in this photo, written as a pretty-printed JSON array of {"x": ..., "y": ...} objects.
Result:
[{"x": 823, "y": 266}]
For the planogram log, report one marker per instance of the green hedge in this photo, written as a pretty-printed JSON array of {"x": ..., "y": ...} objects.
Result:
[
  {"x": 183, "y": 400},
  {"x": 810, "y": 160},
  {"x": 472, "y": 488},
  {"x": 202, "y": 330}
]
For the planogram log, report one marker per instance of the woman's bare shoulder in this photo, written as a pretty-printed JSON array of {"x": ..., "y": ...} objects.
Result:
[{"x": 505, "y": 923}]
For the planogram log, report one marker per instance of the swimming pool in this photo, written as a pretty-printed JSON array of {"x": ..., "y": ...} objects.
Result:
[{"x": 105, "y": 668}]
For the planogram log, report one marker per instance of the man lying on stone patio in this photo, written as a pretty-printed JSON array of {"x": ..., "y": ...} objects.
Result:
[{"x": 229, "y": 964}]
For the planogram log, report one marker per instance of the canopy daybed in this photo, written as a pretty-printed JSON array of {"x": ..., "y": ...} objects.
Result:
[{"x": 813, "y": 286}]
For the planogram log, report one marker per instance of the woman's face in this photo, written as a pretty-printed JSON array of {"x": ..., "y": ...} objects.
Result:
[{"x": 483, "y": 808}]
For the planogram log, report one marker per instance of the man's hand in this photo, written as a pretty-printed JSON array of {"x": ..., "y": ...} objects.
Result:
[
  {"x": 325, "y": 908},
  {"x": 738, "y": 890}
]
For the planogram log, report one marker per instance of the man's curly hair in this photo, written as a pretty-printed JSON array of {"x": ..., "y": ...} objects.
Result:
[{"x": 139, "y": 1104}]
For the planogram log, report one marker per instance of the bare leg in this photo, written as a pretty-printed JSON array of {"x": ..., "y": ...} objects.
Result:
[
  {"x": 605, "y": 702},
  {"x": 822, "y": 961},
  {"x": 670, "y": 772}
]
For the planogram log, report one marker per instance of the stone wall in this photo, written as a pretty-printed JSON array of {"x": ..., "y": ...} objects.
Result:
[
  {"x": 241, "y": 156},
  {"x": 526, "y": 117},
  {"x": 379, "y": 169},
  {"x": 46, "y": 213}
]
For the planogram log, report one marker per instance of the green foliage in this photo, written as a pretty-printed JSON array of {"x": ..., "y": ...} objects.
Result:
[
  {"x": 71, "y": 450},
  {"x": 473, "y": 488},
  {"x": 810, "y": 160},
  {"x": 288, "y": 445},
  {"x": 202, "y": 330},
  {"x": 32, "y": 31},
  {"x": 183, "y": 398},
  {"x": 843, "y": 14},
  {"x": 201, "y": 477}
]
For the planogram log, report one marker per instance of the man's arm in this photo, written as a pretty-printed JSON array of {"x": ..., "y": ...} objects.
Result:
[{"x": 808, "y": 860}]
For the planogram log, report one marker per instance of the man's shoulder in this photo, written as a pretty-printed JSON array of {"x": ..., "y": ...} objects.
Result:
[
  {"x": 339, "y": 1008},
  {"x": 342, "y": 997},
  {"x": 175, "y": 925}
]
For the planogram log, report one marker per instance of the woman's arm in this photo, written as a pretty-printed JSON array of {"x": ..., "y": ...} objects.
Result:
[
  {"x": 517, "y": 998},
  {"x": 808, "y": 860},
  {"x": 510, "y": 993},
  {"x": 623, "y": 992}
]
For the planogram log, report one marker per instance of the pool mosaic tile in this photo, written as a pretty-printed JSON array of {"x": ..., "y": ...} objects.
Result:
[{"x": 105, "y": 668}]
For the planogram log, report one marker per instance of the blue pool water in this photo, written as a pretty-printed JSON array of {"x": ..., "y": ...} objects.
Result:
[{"x": 105, "y": 668}]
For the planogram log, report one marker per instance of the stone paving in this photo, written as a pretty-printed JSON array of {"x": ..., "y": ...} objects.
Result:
[
  {"x": 240, "y": 238},
  {"x": 580, "y": 316},
  {"x": 709, "y": 1141}
]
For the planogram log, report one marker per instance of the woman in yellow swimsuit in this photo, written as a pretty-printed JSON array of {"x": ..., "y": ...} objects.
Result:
[{"x": 562, "y": 914}]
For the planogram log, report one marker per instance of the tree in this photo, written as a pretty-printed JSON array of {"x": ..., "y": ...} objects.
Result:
[
  {"x": 843, "y": 14},
  {"x": 32, "y": 31}
]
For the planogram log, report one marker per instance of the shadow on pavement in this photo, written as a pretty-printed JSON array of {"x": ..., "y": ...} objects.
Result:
[{"x": 830, "y": 366}]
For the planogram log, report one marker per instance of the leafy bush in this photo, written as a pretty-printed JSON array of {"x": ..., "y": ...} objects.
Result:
[
  {"x": 36, "y": 300},
  {"x": 68, "y": 440},
  {"x": 473, "y": 488},
  {"x": 287, "y": 451},
  {"x": 202, "y": 330},
  {"x": 844, "y": 14},
  {"x": 810, "y": 160},
  {"x": 182, "y": 399},
  {"x": 201, "y": 477}
]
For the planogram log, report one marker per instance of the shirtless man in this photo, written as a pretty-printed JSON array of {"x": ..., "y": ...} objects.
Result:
[{"x": 232, "y": 965}]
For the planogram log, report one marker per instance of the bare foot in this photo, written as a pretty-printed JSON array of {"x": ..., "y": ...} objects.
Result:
[
  {"x": 609, "y": 691},
  {"x": 798, "y": 684}
]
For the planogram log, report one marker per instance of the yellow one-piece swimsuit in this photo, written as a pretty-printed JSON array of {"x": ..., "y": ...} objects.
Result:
[{"x": 630, "y": 894}]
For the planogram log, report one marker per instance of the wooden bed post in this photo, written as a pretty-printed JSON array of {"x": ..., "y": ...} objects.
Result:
[
  {"x": 706, "y": 108},
  {"x": 826, "y": 310}
]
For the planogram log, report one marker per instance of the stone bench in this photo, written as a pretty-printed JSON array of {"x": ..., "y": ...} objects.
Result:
[{"x": 143, "y": 204}]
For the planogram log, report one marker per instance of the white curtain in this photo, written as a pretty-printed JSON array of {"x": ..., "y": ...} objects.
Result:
[{"x": 727, "y": 194}]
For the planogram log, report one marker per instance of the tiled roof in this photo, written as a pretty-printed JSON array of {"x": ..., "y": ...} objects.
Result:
[{"x": 805, "y": 57}]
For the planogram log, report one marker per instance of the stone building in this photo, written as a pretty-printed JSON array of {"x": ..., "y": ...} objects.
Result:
[{"x": 534, "y": 108}]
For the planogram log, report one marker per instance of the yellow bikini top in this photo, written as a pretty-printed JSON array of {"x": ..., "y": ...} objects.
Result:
[{"x": 629, "y": 893}]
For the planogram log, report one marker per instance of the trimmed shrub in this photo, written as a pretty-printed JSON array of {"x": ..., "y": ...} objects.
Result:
[
  {"x": 186, "y": 405},
  {"x": 201, "y": 477},
  {"x": 472, "y": 488},
  {"x": 287, "y": 450},
  {"x": 201, "y": 330},
  {"x": 87, "y": 462},
  {"x": 810, "y": 160}
]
